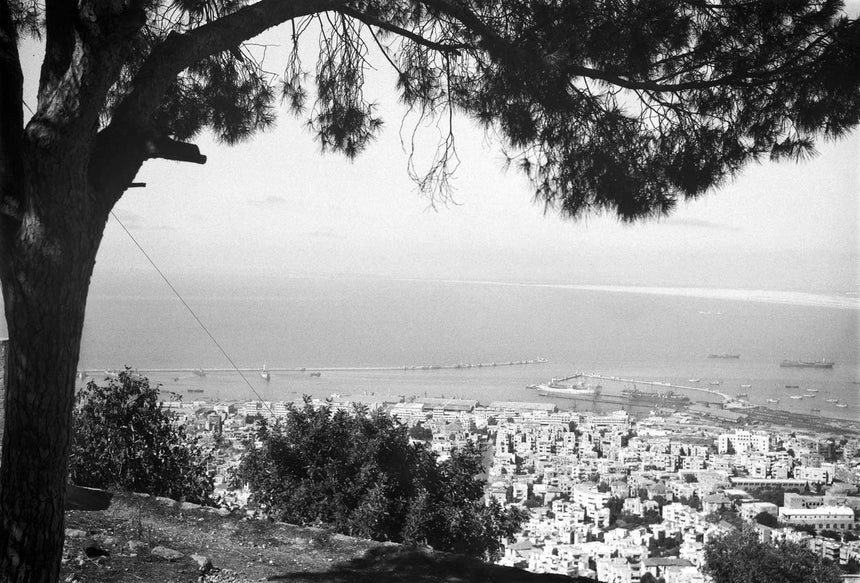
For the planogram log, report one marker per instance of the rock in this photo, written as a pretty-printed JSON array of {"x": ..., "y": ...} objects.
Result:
[
  {"x": 189, "y": 506},
  {"x": 223, "y": 511},
  {"x": 78, "y": 498},
  {"x": 105, "y": 539},
  {"x": 204, "y": 563},
  {"x": 136, "y": 546},
  {"x": 164, "y": 500},
  {"x": 166, "y": 554},
  {"x": 75, "y": 533}
]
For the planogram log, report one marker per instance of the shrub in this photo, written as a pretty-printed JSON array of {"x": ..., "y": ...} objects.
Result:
[
  {"x": 358, "y": 474},
  {"x": 122, "y": 439},
  {"x": 740, "y": 557},
  {"x": 767, "y": 519}
]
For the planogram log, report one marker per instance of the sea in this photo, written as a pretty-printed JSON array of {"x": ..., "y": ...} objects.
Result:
[{"x": 374, "y": 338}]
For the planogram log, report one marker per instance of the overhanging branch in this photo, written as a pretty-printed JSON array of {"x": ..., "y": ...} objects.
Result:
[
  {"x": 122, "y": 146},
  {"x": 417, "y": 38},
  {"x": 504, "y": 50},
  {"x": 169, "y": 149},
  {"x": 181, "y": 50}
]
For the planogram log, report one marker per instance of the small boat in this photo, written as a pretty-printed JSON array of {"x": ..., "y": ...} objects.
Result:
[
  {"x": 796, "y": 397},
  {"x": 195, "y": 390},
  {"x": 715, "y": 383},
  {"x": 265, "y": 373},
  {"x": 841, "y": 405},
  {"x": 792, "y": 386},
  {"x": 694, "y": 380},
  {"x": 746, "y": 386},
  {"x": 815, "y": 410},
  {"x": 199, "y": 372},
  {"x": 773, "y": 400},
  {"x": 316, "y": 374},
  {"x": 811, "y": 390},
  {"x": 832, "y": 400},
  {"x": 742, "y": 396}
]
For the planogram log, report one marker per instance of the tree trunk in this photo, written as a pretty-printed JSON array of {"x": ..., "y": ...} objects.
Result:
[{"x": 47, "y": 261}]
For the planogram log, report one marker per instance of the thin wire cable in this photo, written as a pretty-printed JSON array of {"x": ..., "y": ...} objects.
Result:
[{"x": 193, "y": 314}]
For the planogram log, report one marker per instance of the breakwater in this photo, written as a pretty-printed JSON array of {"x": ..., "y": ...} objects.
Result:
[
  {"x": 200, "y": 370},
  {"x": 658, "y": 384}
]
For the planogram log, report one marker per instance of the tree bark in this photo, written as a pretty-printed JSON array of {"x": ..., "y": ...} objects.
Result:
[{"x": 45, "y": 270}]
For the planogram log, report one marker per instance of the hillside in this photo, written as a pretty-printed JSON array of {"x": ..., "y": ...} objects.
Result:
[{"x": 132, "y": 539}]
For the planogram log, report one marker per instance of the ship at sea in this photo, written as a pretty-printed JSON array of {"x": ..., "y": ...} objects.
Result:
[
  {"x": 724, "y": 356},
  {"x": 637, "y": 397},
  {"x": 823, "y": 363}
]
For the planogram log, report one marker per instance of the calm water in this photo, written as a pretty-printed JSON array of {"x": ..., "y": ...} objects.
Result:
[{"x": 365, "y": 322}]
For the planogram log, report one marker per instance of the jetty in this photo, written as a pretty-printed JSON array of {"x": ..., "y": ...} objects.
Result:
[
  {"x": 307, "y": 369},
  {"x": 725, "y": 397}
]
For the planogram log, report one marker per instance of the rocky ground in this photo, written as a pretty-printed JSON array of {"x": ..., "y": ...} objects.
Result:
[{"x": 141, "y": 538}]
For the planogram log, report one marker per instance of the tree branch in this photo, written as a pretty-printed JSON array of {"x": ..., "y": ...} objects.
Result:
[
  {"x": 417, "y": 38},
  {"x": 181, "y": 50},
  {"x": 169, "y": 149},
  {"x": 554, "y": 64},
  {"x": 11, "y": 112},
  {"x": 59, "y": 46},
  {"x": 121, "y": 147}
]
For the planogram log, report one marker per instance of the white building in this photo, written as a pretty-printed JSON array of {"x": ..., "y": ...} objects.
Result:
[
  {"x": 823, "y": 517},
  {"x": 742, "y": 441}
]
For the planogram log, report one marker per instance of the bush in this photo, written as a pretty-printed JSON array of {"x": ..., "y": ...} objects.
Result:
[
  {"x": 358, "y": 474},
  {"x": 767, "y": 519},
  {"x": 122, "y": 439},
  {"x": 742, "y": 557},
  {"x": 420, "y": 433}
]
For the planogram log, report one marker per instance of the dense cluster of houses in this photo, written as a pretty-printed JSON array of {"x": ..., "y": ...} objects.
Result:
[{"x": 613, "y": 497}]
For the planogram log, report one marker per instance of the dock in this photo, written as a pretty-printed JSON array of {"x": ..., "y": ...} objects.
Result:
[{"x": 658, "y": 384}]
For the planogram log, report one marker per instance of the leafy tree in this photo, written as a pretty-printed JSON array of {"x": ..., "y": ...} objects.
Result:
[
  {"x": 123, "y": 439},
  {"x": 420, "y": 433},
  {"x": 615, "y": 505},
  {"x": 742, "y": 557},
  {"x": 767, "y": 519},
  {"x": 632, "y": 520},
  {"x": 831, "y": 534},
  {"x": 626, "y": 108},
  {"x": 358, "y": 474}
]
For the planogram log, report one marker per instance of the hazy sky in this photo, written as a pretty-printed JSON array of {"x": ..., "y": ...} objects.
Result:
[{"x": 275, "y": 206}]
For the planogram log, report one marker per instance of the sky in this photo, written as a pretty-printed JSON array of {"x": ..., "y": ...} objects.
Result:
[{"x": 276, "y": 207}]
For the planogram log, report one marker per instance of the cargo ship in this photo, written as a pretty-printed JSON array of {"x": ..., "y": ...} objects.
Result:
[
  {"x": 823, "y": 363},
  {"x": 635, "y": 396}
]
